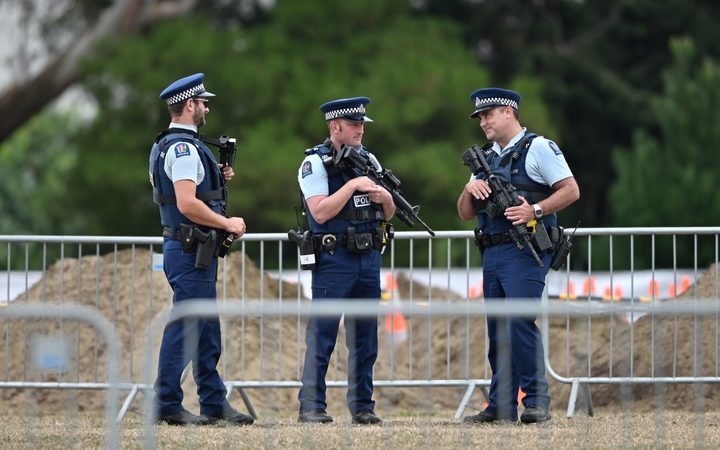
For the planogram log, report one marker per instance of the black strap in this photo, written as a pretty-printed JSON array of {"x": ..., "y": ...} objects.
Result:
[
  {"x": 361, "y": 214},
  {"x": 529, "y": 188},
  {"x": 205, "y": 196},
  {"x": 172, "y": 233},
  {"x": 489, "y": 240}
]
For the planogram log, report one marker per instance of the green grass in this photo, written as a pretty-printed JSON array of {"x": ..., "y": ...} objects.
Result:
[{"x": 608, "y": 429}]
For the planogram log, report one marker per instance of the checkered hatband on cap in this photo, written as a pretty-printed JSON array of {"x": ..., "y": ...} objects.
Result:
[
  {"x": 344, "y": 112},
  {"x": 480, "y": 102},
  {"x": 186, "y": 94}
]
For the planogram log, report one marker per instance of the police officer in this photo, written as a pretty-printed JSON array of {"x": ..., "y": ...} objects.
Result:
[
  {"x": 188, "y": 185},
  {"x": 345, "y": 215},
  {"x": 537, "y": 168}
]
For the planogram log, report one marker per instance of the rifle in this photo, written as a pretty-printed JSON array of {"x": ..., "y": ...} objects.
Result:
[
  {"x": 504, "y": 195},
  {"x": 351, "y": 161},
  {"x": 227, "y": 147}
]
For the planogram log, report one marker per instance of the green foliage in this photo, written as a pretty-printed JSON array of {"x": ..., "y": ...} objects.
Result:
[
  {"x": 35, "y": 165},
  {"x": 599, "y": 63},
  {"x": 668, "y": 178},
  {"x": 34, "y": 169},
  {"x": 270, "y": 79}
]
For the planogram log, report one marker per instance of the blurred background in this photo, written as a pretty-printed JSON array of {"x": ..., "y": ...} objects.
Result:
[{"x": 630, "y": 91}]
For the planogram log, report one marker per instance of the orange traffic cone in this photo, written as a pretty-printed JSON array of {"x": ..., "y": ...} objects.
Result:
[
  {"x": 684, "y": 284},
  {"x": 588, "y": 286},
  {"x": 396, "y": 327},
  {"x": 395, "y": 323},
  {"x": 570, "y": 293},
  {"x": 391, "y": 284}
]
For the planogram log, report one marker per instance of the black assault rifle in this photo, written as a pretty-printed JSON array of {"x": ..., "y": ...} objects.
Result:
[
  {"x": 504, "y": 195},
  {"x": 349, "y": 160},
  {"x": 227, "y": 147}
]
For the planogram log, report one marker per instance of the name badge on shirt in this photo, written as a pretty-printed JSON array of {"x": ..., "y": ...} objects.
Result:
[{"x": 361, "y": 201}]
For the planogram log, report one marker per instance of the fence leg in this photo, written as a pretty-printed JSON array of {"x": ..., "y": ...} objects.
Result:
[
  {"x": 245, "y": 398},
  {"x": 126, "y": 404},
  {"x": 588, "y": 399},
  {"x": 573, "y": 399},
  {"x": 465, "y": 400}
]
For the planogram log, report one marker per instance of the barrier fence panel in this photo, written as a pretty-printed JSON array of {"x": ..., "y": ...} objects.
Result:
[
  {"x": 59, "y": 340},
  {"x": 638, "y": 351},
  {"x": 122, "y": 278},
  {"x": 420, "y": 427}
]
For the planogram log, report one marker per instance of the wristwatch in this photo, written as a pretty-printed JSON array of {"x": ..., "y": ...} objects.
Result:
[{"x": 538, "y": 211}]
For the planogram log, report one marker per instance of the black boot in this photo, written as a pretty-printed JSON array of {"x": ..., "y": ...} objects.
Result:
[
  {"x": 184, "y": 417},
  {"x": 314, "y": 416}
]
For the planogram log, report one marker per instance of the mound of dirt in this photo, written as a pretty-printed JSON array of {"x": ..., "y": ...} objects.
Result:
[{"x": 135, "y": 299}]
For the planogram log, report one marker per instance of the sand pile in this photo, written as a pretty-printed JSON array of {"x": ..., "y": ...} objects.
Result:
[{"x": 134, "y": 299}]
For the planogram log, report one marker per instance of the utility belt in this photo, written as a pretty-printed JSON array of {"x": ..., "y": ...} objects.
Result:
[
  {"x": 311, "y": 245},
  {"x": 551, "y": 239},
  {"x": 352, "y": 242},
  {"x": 206, "y": 243}
]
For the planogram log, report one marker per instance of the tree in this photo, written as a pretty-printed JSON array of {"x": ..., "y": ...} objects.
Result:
[
  {"x": 599, "y": 63},
  {"x": 34, "y": 167},
  {"x": 668, "y": 176},
  {"x": 79, "y": 25},
  {"x": 270, "y": 79}
]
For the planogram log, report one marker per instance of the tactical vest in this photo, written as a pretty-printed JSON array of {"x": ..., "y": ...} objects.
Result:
[
  {"x": 358, "y": 212},
  {"x": 510, "y": 167},
  {"x": 211, "y": 190}
]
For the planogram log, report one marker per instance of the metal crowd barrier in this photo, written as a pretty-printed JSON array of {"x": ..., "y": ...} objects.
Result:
[
  {"x": 122, "y": 278},
  {"x": 51, "y": 355}
]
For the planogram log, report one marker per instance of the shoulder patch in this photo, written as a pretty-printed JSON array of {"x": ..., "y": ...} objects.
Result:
[
  {"x": 182, "y": 149},
  {"x": 554, "y": 148},
  {"x": 306, "y": 168}
]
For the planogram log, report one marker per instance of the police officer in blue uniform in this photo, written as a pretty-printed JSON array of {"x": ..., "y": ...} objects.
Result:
[
  {"x": 345, "y": 215},
  {"x": 545, "y": 184},
  {"x": 189, "y": 187}
]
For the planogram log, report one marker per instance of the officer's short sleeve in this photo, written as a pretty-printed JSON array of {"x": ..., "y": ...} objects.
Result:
[
  {"x": 182, "y": 162},
  {"x": 313, "y": 177},
  {"x": 545, "y": 162}
]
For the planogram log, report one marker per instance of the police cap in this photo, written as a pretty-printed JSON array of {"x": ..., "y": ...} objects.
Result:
[
  {"x": 352, "y": 109},
  {"x": 487, "y": 98},
  {"x": 185, "y": 88}
]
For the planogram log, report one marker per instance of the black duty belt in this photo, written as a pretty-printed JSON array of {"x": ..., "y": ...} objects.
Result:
[
  {"x": 489, "y": 240},
  {"x": 172, "y": 233},
  {"x": 331, "y": 241}
]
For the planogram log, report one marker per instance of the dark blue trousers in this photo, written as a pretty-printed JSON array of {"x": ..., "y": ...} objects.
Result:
[
  {"x": 516, "y": 350},
  {"x": 338, "y": 276},
  {"x": 196, "y": 340}
]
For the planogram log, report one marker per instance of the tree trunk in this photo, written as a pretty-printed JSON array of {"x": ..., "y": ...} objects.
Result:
[{"x": 21, "y": 102}]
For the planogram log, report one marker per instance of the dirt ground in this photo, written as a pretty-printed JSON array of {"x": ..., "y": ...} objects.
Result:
[{"x": 135, "y": 299}]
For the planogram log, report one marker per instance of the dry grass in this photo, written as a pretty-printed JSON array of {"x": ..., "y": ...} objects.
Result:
[{"x": 607, "y": 430}]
